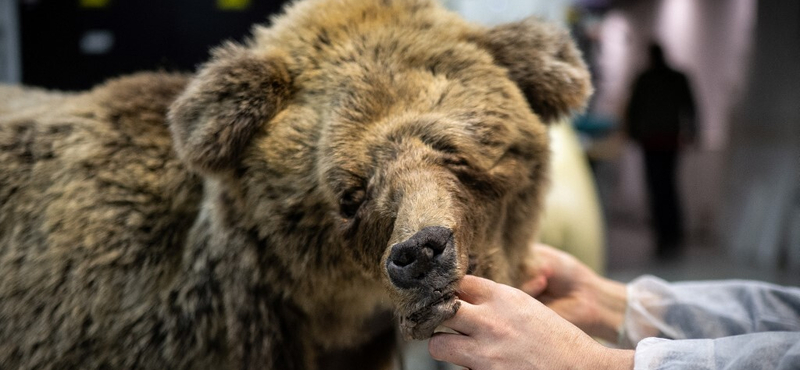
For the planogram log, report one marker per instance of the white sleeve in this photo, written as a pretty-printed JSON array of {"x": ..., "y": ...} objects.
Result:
[
  {"x": 769, "y": 350},
  {"x": 707, "y": 310}
]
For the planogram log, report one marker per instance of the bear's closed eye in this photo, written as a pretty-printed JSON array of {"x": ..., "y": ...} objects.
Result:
[{"x": 351, "y": 201}]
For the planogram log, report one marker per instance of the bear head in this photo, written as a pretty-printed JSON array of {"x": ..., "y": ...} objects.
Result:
[{"x": 387, "y": 135}]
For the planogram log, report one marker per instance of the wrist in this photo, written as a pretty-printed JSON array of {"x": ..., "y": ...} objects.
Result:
[
  {"x": 600, "y": 357},
  {"x": 616, "y": 359},
  {"x": 612, "y": 302}
]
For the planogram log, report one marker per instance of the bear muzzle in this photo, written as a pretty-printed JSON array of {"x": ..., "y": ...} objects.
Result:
[
  {"x": 425, "y": 267},
  {"x": 427, "y": 260}
]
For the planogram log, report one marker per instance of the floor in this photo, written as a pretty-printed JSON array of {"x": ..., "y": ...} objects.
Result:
[{"x": 630, "y": 254}]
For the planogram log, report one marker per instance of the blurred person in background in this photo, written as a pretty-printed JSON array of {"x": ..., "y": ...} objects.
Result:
[
  {"x": 661, "y": 118},
  {"x": 729, "y": 324}
]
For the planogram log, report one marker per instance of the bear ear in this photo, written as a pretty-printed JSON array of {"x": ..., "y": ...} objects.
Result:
[
  {"x": 544, "y": 62},
  {"x": 228, "y": 101}
]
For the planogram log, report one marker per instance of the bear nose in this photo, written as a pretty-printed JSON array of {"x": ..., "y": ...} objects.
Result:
[{"x": 422, "y": 258}]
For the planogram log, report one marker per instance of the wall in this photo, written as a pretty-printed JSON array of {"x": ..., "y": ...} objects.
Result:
[
  {"x": 761, "y": 213},
  {"x": 710, "y": 40},
  {"x": 10, "y": 71}
]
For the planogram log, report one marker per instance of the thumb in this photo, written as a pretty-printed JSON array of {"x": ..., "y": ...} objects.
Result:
[
  {"x": 475, "y": 289},
  {"x": 535, "y": 286}
]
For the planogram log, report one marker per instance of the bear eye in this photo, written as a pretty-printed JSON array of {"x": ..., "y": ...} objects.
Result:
[
  {"x": 455, "y": 161},
  {"x": 350, "y": 203}
]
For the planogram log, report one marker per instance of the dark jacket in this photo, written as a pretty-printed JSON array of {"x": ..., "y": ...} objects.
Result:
[{"x": 661, "y": 109}]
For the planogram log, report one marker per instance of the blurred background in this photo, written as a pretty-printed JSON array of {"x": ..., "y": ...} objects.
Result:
[
  {"x": 737, "y": 171},
  {"x": 738, "y": 177}
]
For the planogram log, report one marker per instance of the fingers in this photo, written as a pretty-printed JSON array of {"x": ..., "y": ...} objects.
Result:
[
  {"x": 535, "y": 286},
  {"x": 547, "y": 258},
  {"x": 474, "y": 289},
  {"x": 474, "y": 317},
  {"x": 540, "y": 268},
  {"x": 546, "y": 249},
  {"x": 546, "y": 300},
  {"x": 466, "y": 321},
  {"x": 453, "y": 348}
]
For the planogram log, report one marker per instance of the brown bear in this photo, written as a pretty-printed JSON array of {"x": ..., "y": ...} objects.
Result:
[{"x": 346, "y": 165}]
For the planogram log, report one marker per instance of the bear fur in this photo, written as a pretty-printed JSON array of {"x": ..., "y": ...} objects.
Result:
[{"x": 249, "y": 216}]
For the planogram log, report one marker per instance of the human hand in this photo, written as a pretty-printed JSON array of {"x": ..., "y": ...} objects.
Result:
[
  {"x": 505, "y": 328},
  {"x": 594, "y": 304}
]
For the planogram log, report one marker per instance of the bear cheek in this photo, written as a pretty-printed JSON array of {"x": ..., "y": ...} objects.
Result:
[{"x": 366, "y": 239}]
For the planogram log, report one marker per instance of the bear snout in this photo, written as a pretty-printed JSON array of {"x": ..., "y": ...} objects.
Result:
[{"x": 427, "y": 259}]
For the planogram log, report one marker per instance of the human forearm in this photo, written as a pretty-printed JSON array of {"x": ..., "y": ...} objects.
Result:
[
  {"x": 770, "y": 350},
  {"x": 708, "y": 309}
]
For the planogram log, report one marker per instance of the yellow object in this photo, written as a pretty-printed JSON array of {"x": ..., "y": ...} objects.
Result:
[
  {"x": 233, "y": 4},
  {"x": 573, "y": 218},
  {"x": 94, "y": 3}
]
